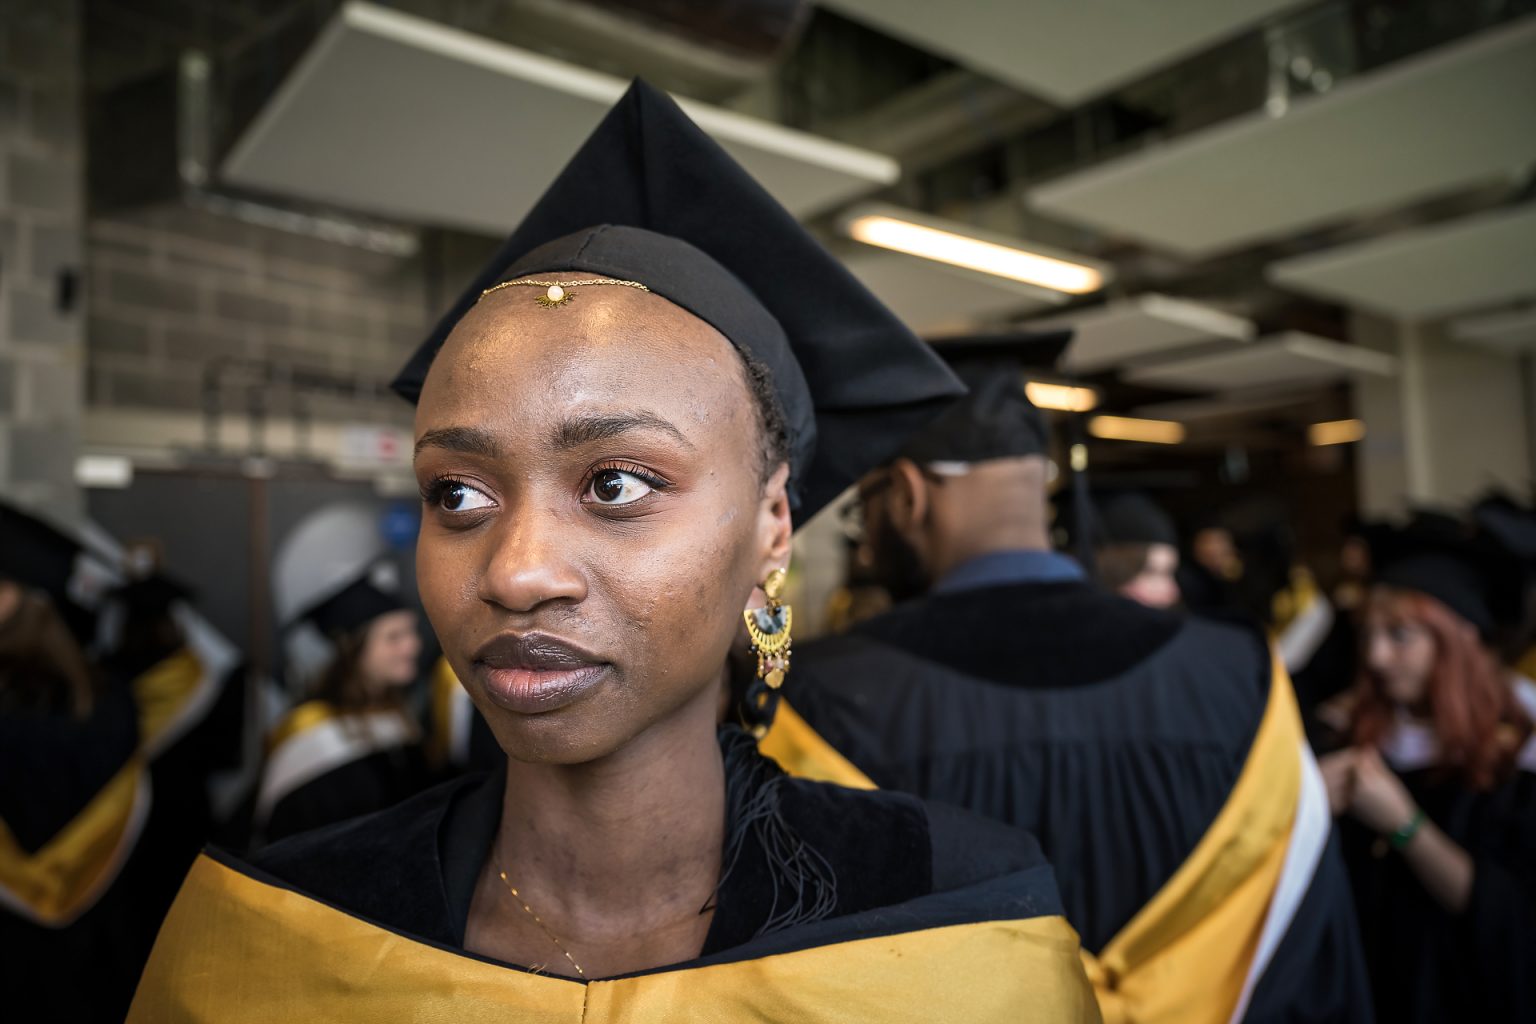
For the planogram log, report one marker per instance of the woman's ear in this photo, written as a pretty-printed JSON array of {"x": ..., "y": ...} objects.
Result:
[{"x": 776, "y": 526}]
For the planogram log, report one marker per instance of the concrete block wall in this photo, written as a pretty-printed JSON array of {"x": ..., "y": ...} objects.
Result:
[
  {"x": 42, "y": 317},
  {"x": 175, "y": 289}
]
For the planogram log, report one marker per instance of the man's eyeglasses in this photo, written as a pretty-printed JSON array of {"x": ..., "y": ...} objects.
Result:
[{"x": 851, "y": 517}]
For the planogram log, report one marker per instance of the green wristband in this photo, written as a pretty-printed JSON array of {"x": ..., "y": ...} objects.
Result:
[{"x": 1403, "y": 836}]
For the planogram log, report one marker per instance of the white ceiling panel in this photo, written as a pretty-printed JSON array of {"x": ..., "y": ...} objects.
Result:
[
  {"x": 1454, "y": 117},
  {"x": 1111, "y": 335},
  {"x": 1065, "y": 51},
  {"x": 1509, "y": 331},
  {"x": 1293, "y": 357},
  {"x": 1471, "y": 263},
  {"x": 404, "y": 118},
  {"x": 930, "y": 296}
]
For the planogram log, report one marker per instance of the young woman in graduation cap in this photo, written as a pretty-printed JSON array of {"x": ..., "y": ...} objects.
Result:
[
  {"x": 354, "y": 746},
  {"x": 618, "y": 426},
  {"x": 1437, "y": 783}
]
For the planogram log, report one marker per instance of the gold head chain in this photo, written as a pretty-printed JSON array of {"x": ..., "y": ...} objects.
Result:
[{"x": 558, "y": 293}]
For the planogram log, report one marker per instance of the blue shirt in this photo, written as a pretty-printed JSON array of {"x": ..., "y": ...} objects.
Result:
[{"x": 1002, "y": 567}]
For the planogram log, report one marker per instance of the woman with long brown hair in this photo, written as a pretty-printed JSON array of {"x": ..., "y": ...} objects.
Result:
[
  {"x": 353, "y": 746},
  {"x": 1437, "y": 783}
]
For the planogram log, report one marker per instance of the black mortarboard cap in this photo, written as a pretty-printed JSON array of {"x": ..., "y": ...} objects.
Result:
[
  {"x": 39, "y": 555},
  {"x": 352, "y": 607},
  {"x": 1118, "y": 517},
  {"x": 1509, "y": 523},
  {"x": 996, "y": 419},
  {"x": 649, "y": 197},
  {"x": 1469, "y": 573},
  {"x": 36, "y": 554},
  {"x": 1134, "y": 518}
]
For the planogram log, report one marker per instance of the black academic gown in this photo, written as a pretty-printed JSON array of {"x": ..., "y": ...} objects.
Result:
[
  {"x": 194, "y": 698},
  {"x": 80, "y": 899},
  {"x": 1427, "y": 964},
  {"x": 1331, "y": 670},
  {"x": 360, "y": 786},
  {"x": 1112, "y": 731},
  {"x": 350, "y": 774},
  {"x": 936, "y": 912}
]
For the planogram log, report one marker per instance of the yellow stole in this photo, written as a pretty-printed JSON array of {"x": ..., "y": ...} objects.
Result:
[
  {"x": 238, "y": 950},
  {"x": 1299, "y": 594},
  {"x": 300, "y": 720},
  {"x": 443, "y": 688},
  {"x": 61, "y": 880},
  {"x": 162, "y": 691},
  {"x": 801, "y": 751},
  {"x": 1526, "y": 665},
  {"x": 1185, "y": 955}
]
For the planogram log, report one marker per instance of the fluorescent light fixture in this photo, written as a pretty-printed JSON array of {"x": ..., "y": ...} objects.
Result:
[
  {"x": 115, "y": 471},
  {"x": 957, "y": 245},
  {"x": 1129, "y": 428},
  {"x": 1061, "y": 397},
  {"x": 1336, "y": 432}
]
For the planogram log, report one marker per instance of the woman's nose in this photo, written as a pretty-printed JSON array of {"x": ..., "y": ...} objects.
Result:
[{"x": 530, "y": 562}]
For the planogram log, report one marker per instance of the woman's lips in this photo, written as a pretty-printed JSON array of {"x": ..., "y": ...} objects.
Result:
[
  {"x": 531, "y": 691},
  {"x": 535, "y": 673}
]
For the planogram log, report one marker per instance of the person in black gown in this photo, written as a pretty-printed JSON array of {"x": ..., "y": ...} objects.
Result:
[
  {"x": 1135, "y": 547},
  {"x": 618, "y": 426},
  {"x": 1131, "y": 740},
  {"x": 1437, "y": 785},
  {"x": 353, "y": 747},
  {"x": 101, "y": 809}
]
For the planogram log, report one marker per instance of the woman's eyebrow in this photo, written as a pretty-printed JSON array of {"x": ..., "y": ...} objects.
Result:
[
  {"x": 583, "y": 430},
  {"x": 469, "y": 440}
]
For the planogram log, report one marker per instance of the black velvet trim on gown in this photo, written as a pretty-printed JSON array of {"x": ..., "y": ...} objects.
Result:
[{"x": 413, "y": 868}]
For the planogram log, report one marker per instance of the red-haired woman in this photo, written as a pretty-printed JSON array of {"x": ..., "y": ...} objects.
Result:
[{"x": 1438, "y": 784}]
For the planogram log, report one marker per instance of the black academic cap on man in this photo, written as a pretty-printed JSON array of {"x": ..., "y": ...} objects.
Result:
[
  {"x": 1469, "y": 573},
  {"x": 650, "y": 198},
  {"x": 996, "y": 419},
  {"x": 352, "y": 607}
]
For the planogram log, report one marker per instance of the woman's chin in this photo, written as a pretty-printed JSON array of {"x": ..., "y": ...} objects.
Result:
[{"x": 563, "y": 737}]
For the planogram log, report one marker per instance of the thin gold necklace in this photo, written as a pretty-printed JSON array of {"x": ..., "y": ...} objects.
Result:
[{"x": 540, "y": 922}]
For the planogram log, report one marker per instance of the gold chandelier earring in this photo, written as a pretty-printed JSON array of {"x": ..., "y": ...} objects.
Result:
[{"x": 769, "y": 629}]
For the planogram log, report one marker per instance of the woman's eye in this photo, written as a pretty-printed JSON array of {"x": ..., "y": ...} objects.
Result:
[
  {"x": 616, "y": 487},
  {"x": 460, "y": 497}
]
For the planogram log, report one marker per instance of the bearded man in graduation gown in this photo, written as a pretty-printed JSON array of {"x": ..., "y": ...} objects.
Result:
[{"x": 1159, "y": 757}]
